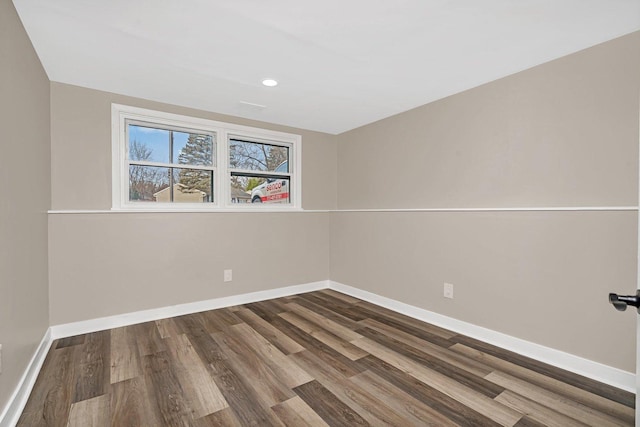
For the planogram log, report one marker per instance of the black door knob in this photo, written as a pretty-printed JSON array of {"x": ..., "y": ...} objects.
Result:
[{"x": 620, "y": 302}]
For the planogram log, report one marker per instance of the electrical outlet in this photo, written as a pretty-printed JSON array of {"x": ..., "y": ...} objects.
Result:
[
  {"x": 228, "y": 275},
  {"x": 448, "y": 290}
]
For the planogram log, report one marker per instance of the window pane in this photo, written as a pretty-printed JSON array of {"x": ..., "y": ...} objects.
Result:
[
  {"x": 257, "y": 189},
  {"x": 153, "y": 184},
  {"x": 148, "y": 144},
  {"x": 256, "y": 156},
  {"x": 192, "y": 186},
  {"x": 146, "y": 183},
  {"x": 193, "y": 149},
  {"x": 170, "y": 146}
]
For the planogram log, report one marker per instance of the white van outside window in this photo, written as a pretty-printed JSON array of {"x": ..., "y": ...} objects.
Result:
[{"x": 274, "y": 189}]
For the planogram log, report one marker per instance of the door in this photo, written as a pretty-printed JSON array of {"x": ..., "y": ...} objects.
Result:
[
  {"x": 621, "y": 302},
  {"x": 638, "y": 321}
]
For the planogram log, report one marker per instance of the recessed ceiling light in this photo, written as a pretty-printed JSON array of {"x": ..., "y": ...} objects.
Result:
[{"x": 270, "y": 82}]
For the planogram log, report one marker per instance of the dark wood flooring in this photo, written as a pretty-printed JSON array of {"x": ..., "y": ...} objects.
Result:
[{"x": 315, "y": 359}]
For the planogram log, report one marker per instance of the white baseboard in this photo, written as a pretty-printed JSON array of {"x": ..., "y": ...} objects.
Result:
[
  {"x": 588, "y": 368},
  {"x": 12, "y": 411},
  {"x": 102, "y": 323}
]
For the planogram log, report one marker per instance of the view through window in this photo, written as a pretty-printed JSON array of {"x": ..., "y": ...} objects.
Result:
[
  {"x": 167, "y": 165},
  {"x": 260, "y": 170},
  {"x": 165, "y": 159}
]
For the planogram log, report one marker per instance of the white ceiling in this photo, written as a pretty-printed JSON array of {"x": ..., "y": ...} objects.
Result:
[{"x": 340, "y": 63}]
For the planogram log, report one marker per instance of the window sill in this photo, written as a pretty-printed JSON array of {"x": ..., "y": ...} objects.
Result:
[{"x": 180, "y": 210}]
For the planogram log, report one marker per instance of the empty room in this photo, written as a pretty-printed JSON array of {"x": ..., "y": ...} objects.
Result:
[{"x": 285, "y": 213}]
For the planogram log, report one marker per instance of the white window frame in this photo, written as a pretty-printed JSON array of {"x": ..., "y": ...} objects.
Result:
[{"x": 120, "y": 114}]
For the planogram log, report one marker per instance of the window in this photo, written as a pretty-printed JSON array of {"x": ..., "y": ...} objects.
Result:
[
  {"x": 261, "y": 168},
  {"x": 166, "y": 161},
  {"x": 168, "y": 164}
]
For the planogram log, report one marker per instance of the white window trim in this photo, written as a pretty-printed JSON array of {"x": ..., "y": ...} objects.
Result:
[{"x": 222, "y": 197}]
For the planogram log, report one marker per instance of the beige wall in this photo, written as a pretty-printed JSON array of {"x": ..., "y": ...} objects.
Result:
[
  {"x": 540, "y": 276},
  {"x": 561, "y": 134},
  {"x": 107, "y": 264},
  {"x": 24, "y": 173},
  {"x": 81, "y": 147}
]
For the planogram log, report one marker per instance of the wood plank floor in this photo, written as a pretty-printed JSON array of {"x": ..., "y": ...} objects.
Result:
[{"x": 315, "y": 359}]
